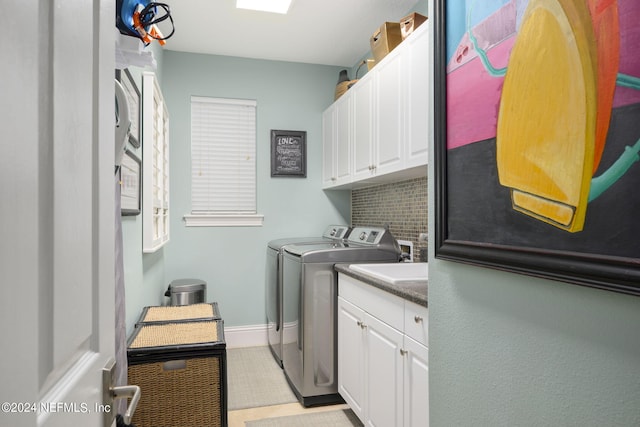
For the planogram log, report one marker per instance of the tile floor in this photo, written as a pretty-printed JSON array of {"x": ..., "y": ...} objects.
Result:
[{"x": 237, "y": 418}]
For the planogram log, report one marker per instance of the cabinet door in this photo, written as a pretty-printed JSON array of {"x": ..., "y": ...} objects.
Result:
[
  {"x": 416, "y": 384},
  {"x": 328, "y": 149},
  {"x": 363, "y": 134},
  {"x": 416, "y": 322},
  {"x": 389, "y": 115},
  {"x": 155, "y": 166},
  {"x": 418, "y": 99},
  {"x": 343, "y": 140},
  {"x": 383, "y": 361},
  {"x": 351, "y": 356}
]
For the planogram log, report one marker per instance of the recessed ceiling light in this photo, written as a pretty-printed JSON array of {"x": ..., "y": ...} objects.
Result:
[{"x": 275, "y": 6}]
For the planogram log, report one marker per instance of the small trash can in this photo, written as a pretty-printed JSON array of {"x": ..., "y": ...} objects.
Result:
[{"x": 186, "y": 291}]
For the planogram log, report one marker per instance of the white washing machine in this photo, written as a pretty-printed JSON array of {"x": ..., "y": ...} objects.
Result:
[
  {"x": 275, "y": 323},
  {"x": 310, "y": 299}
]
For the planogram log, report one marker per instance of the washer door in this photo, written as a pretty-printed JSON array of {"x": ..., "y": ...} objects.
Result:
[{"x": 292, "y": 336}]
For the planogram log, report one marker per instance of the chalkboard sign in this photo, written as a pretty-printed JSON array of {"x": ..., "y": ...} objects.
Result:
[{"x": 289, "y": 153}]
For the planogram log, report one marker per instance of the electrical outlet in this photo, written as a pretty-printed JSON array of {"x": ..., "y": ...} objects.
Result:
[{"x": 406, "y": 247}]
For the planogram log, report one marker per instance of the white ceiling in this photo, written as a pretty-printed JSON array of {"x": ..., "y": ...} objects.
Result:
[{"x": 329, "y": 32}]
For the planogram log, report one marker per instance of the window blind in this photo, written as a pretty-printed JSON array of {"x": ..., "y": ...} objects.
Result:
[{"x": 223, "y": 156}]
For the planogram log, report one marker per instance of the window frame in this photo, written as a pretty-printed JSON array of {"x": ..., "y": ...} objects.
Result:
[{"x": 223, "y": 218}]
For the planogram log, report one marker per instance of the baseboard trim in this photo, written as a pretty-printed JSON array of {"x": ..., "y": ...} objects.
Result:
[{"x": 246, "y": 336}]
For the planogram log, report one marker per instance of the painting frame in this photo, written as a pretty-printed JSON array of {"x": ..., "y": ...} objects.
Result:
[
  {"x": 593, "y": 269},
  {"x": 130, "y": 184},
  {"x": 288, "y": 159},
  {"x": 135, "y": 105}
]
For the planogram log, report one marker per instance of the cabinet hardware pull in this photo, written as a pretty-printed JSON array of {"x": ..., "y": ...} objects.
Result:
[
  {"x": 418, "y": 319},
  {"x": 361, "y": 324},
  {"x": 403, "y": 352}
]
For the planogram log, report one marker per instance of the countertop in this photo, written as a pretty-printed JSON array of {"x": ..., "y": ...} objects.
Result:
[{"x": 412, "y": 291}]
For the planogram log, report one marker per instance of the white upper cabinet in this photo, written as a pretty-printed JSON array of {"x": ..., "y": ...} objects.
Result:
[
  {"x": 336, "y": 137},
  {"x": 418, "y": 100},
  {"x": 362, "y": 124},
  {"x": 388, "y": 120},
  {"x": 155, "y": 158},
  {"x": 391, "y": 109},
  {"x": 328, "y": 147},
  {"x": 343, "y": 141}
]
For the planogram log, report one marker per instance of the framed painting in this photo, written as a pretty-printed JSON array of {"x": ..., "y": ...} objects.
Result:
[
  {"x": 130, "y": 180},
  {"x": 135, "y": 106},
  {"x": 537, "y": 138}
]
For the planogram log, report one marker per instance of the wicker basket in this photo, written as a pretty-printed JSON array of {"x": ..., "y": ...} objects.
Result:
[
  {"x": 181, "y": 370},
  {"x": 343, "y": 87},
  {"x": 179, "y": 313}
]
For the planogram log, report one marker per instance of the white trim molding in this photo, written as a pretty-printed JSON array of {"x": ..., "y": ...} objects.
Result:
[
  {"x": 220, "y": 220},
  {"x": 246, "y": 336}
]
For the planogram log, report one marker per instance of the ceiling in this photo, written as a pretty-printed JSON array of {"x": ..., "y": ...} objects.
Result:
[{"x": 329, "y": 32}]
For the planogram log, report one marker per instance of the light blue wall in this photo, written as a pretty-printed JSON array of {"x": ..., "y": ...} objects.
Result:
[
  {"x": 507, "y": 350},
  {"x": 232, "y": 260}
]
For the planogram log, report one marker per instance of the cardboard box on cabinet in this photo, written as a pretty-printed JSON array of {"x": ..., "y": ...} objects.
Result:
[
  {"x": 385, "y": 39},
  {"x": 409, "y": 23}
]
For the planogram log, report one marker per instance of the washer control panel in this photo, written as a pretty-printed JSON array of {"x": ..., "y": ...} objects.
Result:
[{"x": 366, "y": 235}]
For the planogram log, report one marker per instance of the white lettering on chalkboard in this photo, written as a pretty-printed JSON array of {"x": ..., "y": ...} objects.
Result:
[{"x": 286, "y": 140}]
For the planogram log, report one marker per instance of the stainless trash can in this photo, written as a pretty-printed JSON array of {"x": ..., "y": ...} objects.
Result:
[{"x": 186, "y": 291}]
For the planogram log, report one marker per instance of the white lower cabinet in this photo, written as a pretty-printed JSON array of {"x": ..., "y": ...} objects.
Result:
[
  {"x": 383, "y": 374},
  {"x": 351, "y": 356},
  {"x": 416, "y": 384}
]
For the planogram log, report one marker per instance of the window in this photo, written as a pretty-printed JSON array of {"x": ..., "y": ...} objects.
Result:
[{"x": 223, "y": 163}]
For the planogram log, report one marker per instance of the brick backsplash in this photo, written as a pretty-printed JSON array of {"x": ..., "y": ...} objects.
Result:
[{"x": 402, "y": 205}]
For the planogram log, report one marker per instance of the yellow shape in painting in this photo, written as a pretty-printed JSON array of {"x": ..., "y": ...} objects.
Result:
[
  {"x": 546, "y": 124},
  {"x": 561, "y": 214}
]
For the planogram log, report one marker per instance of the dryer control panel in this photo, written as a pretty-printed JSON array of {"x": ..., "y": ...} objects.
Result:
[
  {"x": 337, "y": 232},
  {"x": 367, "y": 235}
]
